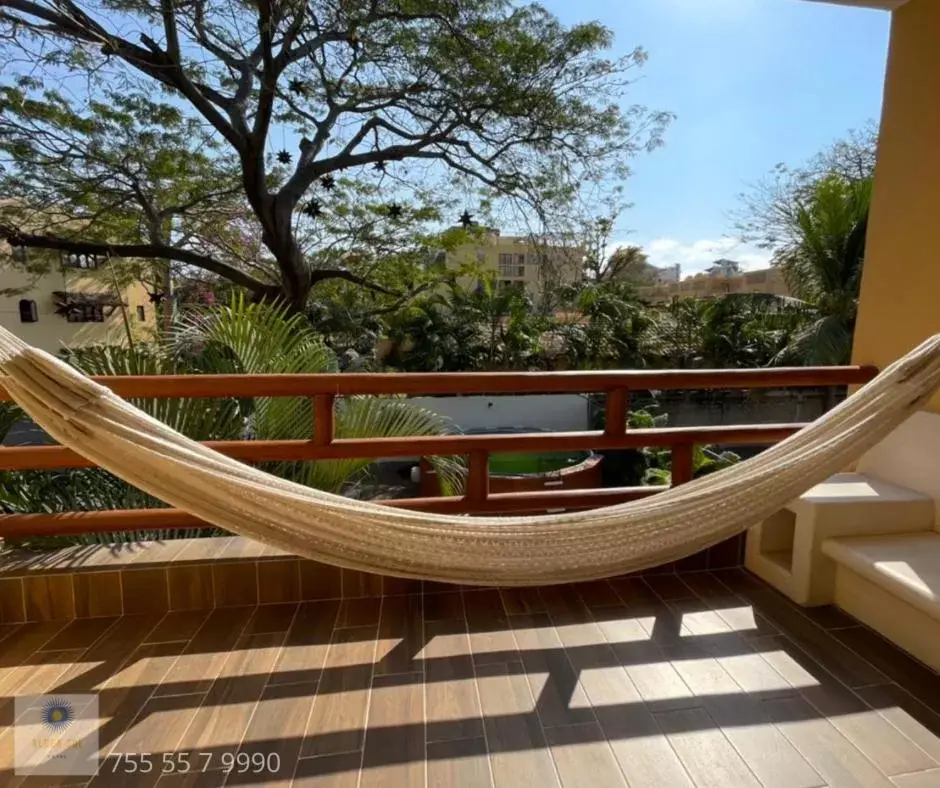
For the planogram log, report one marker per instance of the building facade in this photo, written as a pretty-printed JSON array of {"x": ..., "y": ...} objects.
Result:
[
  {"x": 516, "y": 261},
  {"x": 711, "y": 284},
  {"x": 71, "y": 306}
]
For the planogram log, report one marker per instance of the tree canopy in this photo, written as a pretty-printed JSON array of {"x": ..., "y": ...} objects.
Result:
[{"x": 215, "y": 134}]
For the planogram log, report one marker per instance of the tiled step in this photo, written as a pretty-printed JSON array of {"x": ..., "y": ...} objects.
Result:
[
  {"x": 892, "y": 583},
  {"x": 785, "y": 550}
]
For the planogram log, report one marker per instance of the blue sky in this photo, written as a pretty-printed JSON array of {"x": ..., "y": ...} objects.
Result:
[{"x": 753, "y": 83}]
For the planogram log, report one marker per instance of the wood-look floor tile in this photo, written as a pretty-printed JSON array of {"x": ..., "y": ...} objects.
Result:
[
  {"x": 319, "y": 581},
  {"x": 362, "y": 612},
  {"x": 583, "y": 757},
  {"x": 444, "y": 606},
  {"x": 491, "y": 639},
  {"x": 356, "y": 584},
  {"x": 206, "y": 653},
  {"x": 927, "y": 779},
  {"x": 79, "y": 633},
  {"x": 190, "y": 587},
  {"x": 12, "y": 605},
  {"x": 97, "y": 594},
  {"x": 235, "y": 584},
  {"x": 669, "y": 587},
  {"x": 833, "y": 756},
  {"x": 458, "y": 763},
  {"x": 522, "y": 600},
  {"x": 177, "y": 626},
  {"x": 328, "y": 771},
  {"x": 890, "y": 750},
  {"x": 704, "y": 751},
  {"x": 906, "y": 671},
  {"x": 552, "y": 679},
  {"x": 48, "y": 597},
  {"x": 107, "y": 655},
  {"x": 597, "y": 594},
  {"x": 845, "y": 664},
  {"x": 127, "y": 690},
  {"x": 222, "y": 719},
  {"x": 518, "y": 750},
  {"x": 401, "y": 635},
  {"x": 22, "y": 644},
  {"x": 277, "y": 727},
  {"x": 394, "y": 745},
  {"x": 279, "y": 581},
  {"x": 453, "y": 707},
  {"x": 271, "y": 618},
  {"x": 771, "y": 757},
  {"x": 906, "y": 713},
  {"x": 338, "y": 716},
  {"x": 145, "y": 591},
  {"x": 307, "y": 644}
]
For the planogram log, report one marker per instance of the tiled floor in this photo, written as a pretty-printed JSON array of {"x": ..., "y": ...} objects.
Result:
[{"x": 704, "y": 679}]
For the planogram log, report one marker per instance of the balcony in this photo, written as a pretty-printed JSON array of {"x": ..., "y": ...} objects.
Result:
[{"x": 248, "y": 666}]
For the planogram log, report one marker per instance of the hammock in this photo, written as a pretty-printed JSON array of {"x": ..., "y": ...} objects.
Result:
[{"x": 537, "y": 550}]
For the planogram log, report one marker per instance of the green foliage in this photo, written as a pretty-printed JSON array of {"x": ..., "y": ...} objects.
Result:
[
  {"x": 824, "y": 268},
  {"x": 419, "y": 97},
  {"x": 240, "y": 338}
]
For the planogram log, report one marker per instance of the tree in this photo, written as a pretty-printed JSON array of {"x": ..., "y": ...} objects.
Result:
[
  {"x": 501, "y": 96},
  {"x": 629, "y": 264},
  {"x": 823, "y": 267},
  {"x": 768, "y": 215},
  {"x": 234, "y": 339}
]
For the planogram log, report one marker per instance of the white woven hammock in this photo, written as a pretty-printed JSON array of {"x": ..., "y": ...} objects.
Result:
[{"x": 536, "y": 550}]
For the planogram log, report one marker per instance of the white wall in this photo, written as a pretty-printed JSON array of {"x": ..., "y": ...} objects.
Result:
[{"x": 555, "y": 412}]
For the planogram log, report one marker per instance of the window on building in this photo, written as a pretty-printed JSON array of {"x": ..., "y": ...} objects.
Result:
[
  {"x": 511, "y": 264},
  {"x": 86, "y": 313},
  {"x": 28, "y": 311},
  {"x": 141, "y": 314},
  {"x": 81, "y": 261}
]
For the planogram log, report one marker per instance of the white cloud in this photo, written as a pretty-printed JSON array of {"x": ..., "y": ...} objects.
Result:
[{"x": 696, "y": 256}]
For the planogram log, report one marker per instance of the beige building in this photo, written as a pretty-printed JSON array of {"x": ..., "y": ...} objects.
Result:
[
  {"x": 705, "y": 285},
  {"x": 72, "y": 306},
  {"x": 517, "y": 261}
]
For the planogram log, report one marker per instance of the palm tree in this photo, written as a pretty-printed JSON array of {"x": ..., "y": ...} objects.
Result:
[
  {"x": 823, "y": 268},
  {"x": 240, "y": 338}
]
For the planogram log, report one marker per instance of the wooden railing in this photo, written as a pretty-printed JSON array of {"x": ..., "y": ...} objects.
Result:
[{"x": 324, "y": 390}]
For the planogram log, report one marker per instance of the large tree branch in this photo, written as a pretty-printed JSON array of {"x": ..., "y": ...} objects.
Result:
[
  {"x": 348, "y": 276},
  {"x": 156, "y": 251}
]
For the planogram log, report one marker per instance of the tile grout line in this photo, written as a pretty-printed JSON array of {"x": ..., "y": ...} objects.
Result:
[
  {"x": 597, "y": 721},
  {"x": 525, "y": 676},
  {"x": 849, "y": 742},
  {"x": 476, "y": 686},
  {"x": 258, "y": 702},
  {"x": 708, "y": 605},
  {"x": 316, "y": 689},
  {"x": 160, "y": 683},
  {"x": 368, "y": 709},
  {"x": 626, "y": 673}
]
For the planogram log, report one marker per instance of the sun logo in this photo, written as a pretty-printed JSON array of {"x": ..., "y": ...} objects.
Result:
[{"x": 57, "y": 714}]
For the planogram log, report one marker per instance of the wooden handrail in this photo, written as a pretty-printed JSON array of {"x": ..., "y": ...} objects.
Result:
[
  {"x": 421, "y": 383},
  {"x": 51, "y": 457},
  {"x": 322, "y": 445}
]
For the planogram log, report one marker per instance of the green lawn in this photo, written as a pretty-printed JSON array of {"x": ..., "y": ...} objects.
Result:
[{"x": 517, "y": 464}]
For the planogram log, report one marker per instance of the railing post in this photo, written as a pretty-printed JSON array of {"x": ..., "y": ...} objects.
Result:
[
  {"x": 323, "y": 419},
  {"x": 615, "y": 412},
  {"x": 682, "y": 463},
  {"x": 478, "y": 477}
]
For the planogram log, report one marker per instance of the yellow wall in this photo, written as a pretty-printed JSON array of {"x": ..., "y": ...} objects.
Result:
[
  {"x": 900, "y": 296},
  {"x": 52, "y": 331},
  {"x": 551, "y": 265},
  {"x": 768, "y": 280}
]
